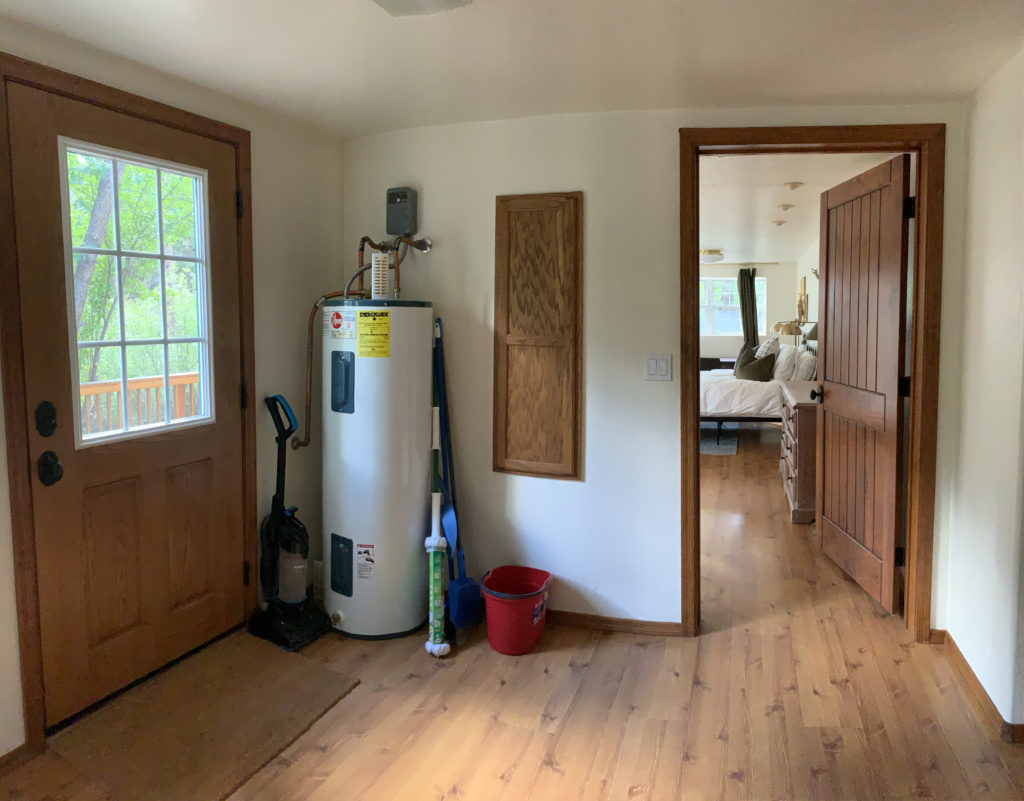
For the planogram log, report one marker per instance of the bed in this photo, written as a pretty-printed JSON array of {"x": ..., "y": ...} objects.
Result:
[{"x": 727, "y": 399}]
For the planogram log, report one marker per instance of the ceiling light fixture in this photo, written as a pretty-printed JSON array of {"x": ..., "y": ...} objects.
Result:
[
  {"x": 791, "y": 185},
  {"x": 785, "y": 206},
  {"x": 417, "y": 8},
  {"x": 778, "y": 223},
  {"x": 710, "y": 256}
]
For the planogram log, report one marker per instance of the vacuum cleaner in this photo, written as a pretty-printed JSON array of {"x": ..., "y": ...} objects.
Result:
[{"x": 289, "y": 619}]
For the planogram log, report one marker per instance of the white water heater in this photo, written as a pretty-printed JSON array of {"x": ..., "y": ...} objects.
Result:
[{"x": 376, "y": 464}]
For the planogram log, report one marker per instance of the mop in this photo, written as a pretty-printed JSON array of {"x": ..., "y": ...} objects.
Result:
[{"x": 437, "y": 547}]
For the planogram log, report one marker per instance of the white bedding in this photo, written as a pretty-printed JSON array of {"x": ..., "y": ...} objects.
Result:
[{"x": 724, "y": 395}]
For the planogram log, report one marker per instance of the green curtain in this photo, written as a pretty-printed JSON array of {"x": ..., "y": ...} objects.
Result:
[{"x": 748, "y": 307}]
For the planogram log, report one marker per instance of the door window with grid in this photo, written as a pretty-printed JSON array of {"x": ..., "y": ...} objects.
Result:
[
  {"x": 719, "y": 301},
  {"x": 138, "y": 294}
]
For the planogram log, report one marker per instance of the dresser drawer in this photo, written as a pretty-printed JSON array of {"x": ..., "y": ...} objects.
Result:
[{"x": 788, "y": 445}]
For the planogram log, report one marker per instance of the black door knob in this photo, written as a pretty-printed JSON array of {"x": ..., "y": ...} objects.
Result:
[
  {"x": 818, "y": 394},
  {"x": 50, "y": 469}
]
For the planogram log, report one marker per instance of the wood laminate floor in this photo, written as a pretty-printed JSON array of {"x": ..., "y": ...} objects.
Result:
[{"x": 800, "y": 688}]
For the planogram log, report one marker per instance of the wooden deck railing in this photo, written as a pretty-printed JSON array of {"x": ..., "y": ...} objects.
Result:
[{"x": 101, "y": 402}]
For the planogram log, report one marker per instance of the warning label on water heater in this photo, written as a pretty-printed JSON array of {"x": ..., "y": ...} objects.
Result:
[
  {"x": 365, "y": 562},
  {"x": 341, "y": 324},
  {"x": 373, "y": 333}
]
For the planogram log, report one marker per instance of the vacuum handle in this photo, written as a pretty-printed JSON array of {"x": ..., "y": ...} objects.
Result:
[{"x": 274, "y": 404}]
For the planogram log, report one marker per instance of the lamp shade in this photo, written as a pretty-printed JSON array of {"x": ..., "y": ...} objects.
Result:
[{"x": 787, "y": 327}]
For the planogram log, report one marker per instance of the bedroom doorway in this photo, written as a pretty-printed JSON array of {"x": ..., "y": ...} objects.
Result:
[{"x": 752, "y": 221}]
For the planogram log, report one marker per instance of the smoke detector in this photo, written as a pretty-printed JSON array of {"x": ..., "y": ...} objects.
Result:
[
  {"x": 708, "y": 256},
  {"x": 418, "y": 8}
]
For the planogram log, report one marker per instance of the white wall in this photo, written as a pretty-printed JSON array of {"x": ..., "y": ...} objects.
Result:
[
  {"x": 984, "y": 601},
  {"x": 297, "y": 210},
  {"x": 780, "y": 302},
  {"x": 612, "y": 540},
  {"x": 807, "y": 262}
]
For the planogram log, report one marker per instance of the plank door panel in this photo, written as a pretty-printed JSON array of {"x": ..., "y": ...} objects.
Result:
[
  {"x": 537, "y": 320},
  {"x": 861, "y": 325},
  {"x": 139, "y": 546}
]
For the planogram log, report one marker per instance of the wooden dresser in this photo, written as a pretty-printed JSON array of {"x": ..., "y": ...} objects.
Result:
[{"x": 799, "y": 446}]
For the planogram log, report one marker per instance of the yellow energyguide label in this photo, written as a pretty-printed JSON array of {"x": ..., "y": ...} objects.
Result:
[{"x": 373, "y": 333}]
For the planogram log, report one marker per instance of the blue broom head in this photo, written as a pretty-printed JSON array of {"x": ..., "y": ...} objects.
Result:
[{"x": 465, "y": 602}]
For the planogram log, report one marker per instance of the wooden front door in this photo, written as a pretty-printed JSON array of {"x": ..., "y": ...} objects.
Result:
[
  {"x": 861, "y": 359},
  {"x": 128, "y": 265}
]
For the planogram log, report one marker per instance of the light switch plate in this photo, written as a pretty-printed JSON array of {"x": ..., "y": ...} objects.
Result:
[{"x": 658, "y": 367}]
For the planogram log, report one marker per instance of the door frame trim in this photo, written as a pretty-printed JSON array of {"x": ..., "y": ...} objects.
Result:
[
  {"x": 16, "y": 413},
  {"x": 928, "y": 141}
]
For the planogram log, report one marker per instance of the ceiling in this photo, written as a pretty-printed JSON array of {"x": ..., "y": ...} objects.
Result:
[
  {"x": 349, "y": 65},
  {"x": 740, "y": 197}
]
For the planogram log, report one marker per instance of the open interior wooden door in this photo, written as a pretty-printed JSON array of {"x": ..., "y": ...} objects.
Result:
[
  {"x": 863, "y": 286},
  {"x": 128, "y": 266}
]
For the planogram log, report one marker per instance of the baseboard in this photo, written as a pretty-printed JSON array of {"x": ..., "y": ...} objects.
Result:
[
  {"x": 16, "y": 758},
  {"x": 1008, "y": 732},
  {"x": 623, "y": 624}
]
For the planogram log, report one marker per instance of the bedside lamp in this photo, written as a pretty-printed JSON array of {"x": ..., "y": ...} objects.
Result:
[{"x": 788, "y": 327}]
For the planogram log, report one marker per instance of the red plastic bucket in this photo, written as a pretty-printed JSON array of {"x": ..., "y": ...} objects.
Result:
[{"x": 516, "y": 600}]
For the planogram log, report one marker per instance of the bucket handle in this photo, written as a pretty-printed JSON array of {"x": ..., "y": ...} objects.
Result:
[{"x": 511, "y": 596}]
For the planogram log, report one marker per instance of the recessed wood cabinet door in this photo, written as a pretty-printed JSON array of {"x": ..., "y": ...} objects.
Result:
[
  {"x": 128, "y": 266},
  {"x": 537, "y": 323},
  {"x": 861, "y": 359}
]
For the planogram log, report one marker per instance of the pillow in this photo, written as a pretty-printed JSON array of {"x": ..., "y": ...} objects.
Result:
[
  {"x": 806, "y": 366},
  {"x": 785, "y": 363},
  {"x": 770, "y": 345},
  {"x": 745, "y": 356},
  {"x": 756, "y": 369}
]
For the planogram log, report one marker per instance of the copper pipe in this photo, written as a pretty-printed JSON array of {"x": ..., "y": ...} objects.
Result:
[
  {"x": 301, "y": 443},
  {"x": 398, "y": 280}
]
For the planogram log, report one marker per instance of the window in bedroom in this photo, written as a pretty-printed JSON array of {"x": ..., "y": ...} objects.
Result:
[{"x": 720, "y": 307}]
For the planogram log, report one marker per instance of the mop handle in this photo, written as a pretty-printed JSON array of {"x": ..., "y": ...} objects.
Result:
[{"x": 436, "y": 546}]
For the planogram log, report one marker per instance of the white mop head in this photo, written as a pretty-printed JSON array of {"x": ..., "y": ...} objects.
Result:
[{"x": 438, "y": 649}]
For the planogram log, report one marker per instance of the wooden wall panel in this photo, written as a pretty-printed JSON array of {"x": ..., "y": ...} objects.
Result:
[{"x": 537, "y": 334}]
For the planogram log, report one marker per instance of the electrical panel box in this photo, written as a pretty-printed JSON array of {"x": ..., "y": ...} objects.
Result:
[{"x": 401, "y": 218}]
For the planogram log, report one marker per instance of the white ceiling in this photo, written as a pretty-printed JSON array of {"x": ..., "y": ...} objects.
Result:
[
  {"x": 349, "y": 65},
  {"x": 740, "y": 197}
]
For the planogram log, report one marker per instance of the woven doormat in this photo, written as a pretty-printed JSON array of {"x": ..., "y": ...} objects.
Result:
[{"x": 198, "y": 730}]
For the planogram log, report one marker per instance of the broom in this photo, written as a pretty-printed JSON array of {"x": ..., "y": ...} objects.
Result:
[{"x": 464, "y": 599}]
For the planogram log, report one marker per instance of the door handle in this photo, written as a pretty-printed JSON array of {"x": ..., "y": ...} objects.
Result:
[
  {"x": 50, "y": 469},
  {"x": 818, "y": 394}
]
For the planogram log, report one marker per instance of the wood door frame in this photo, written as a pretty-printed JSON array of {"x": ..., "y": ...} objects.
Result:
[
  {"x": 16, "y": 413},
  {"x": 928, "y": 141}
]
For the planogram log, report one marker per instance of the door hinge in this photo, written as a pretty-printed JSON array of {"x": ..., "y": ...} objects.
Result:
[
  {"x": 909, "y": 208},
  {"x": 901, "y": 556},
  {"x": 240, "y": 204},
  {"x": 245, "y": 396},
  {"x": 904, "y": 386},
  {"x": 245, "y": 573}
]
